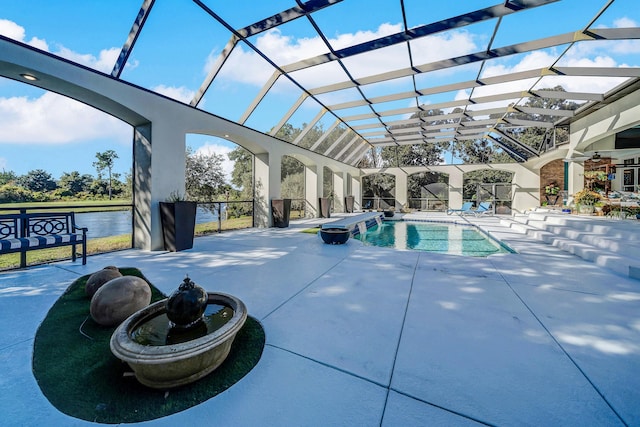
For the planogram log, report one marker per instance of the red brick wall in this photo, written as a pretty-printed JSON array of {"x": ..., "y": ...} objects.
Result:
[{"x": 550, "y": 173}]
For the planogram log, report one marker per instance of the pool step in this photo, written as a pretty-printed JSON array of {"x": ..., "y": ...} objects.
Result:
[{"x": 602, "y": 242}]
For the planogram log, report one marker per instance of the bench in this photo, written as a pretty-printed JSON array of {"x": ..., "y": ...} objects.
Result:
[{"x": 23, "y": 232}]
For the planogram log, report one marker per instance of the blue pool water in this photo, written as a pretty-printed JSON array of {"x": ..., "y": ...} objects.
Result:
[{"x": 452, "y": 239}]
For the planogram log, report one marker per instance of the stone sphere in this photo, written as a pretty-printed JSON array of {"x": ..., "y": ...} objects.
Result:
[
  {"x": 99, "y": 278},
  {"x": 118, "y": 299}
]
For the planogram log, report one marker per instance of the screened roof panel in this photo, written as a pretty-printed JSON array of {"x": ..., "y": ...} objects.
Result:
[
  {"x": 519, "y": 27},
  {"x": 309, "y": 63},
  {"x": 388, "y": 88},
  {"x": 290, "y": 42},
  {"x": 351, "y": 22},
  {"x": 240, "y": 17},
  {"x": 452, "y": 43},
  {"x": 420, "y": 12},
  {"x": 320, "y": 75},
  {"x": 108, "y": 24}
]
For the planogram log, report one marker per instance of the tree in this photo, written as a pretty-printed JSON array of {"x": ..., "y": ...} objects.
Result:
[
  {"x": 38, "y": 180},
  {"x": 74, "y": 183},
  {"x": 7, "y": 177},
  {"x": 204, "y": 176},
  {"x": 242, "y": 173},
  {"x": 105, "y": 161}
]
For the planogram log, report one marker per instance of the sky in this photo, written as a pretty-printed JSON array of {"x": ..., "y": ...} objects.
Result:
[{"x": 42, "y": 130}]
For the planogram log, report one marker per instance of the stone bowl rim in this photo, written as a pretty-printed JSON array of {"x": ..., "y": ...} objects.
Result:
[{"x": 125, "y": 349}]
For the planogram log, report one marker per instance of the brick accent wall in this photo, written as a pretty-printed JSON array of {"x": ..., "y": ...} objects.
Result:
[{"x": 550, "y": 173}]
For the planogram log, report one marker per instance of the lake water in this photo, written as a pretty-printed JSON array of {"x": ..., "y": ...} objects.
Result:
[{"x": 114, "y": 223}]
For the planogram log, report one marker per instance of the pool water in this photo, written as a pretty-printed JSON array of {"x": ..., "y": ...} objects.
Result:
[{"x": 451, "y": 239}]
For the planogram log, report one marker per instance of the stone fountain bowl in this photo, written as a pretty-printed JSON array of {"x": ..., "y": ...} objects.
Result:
[{"x": 174, "y": 365}]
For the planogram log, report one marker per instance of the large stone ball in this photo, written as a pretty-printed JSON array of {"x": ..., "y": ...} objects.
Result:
[
  {"x": 99, "y": 278},
  {"x": 118, "y": 299}
]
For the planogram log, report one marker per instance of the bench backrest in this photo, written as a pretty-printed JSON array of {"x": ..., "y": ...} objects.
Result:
[
  {"x": 36, "y": 224},
  {"x": 9, "y": 226}
]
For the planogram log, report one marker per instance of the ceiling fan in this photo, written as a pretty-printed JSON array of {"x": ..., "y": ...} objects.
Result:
[{"x": 596, "y": 157}]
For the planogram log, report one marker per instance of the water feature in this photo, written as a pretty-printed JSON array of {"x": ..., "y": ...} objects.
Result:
[
  {"x": 362, "y": 228},
  {"x": 455, "y": 239},
  {"x": 167, "y": 345},
  {"x": 158, "y": 329}
]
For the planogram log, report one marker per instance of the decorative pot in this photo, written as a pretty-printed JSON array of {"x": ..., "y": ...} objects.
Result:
[
  {"x": 178, "y": 224},
  {"x": 335, "y": 236}
]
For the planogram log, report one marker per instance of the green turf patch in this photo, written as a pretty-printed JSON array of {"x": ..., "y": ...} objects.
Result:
[
  {"x": 311, "y": 230},
  {"x": 77, "y": 372}
]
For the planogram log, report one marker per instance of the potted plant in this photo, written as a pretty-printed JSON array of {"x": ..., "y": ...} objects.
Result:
[
  {"x": 178, "y": 217},
  {"x": 551, "y": 189},
  {"x": 551, "y": 193},
  {"x": 585, "y": 199}
]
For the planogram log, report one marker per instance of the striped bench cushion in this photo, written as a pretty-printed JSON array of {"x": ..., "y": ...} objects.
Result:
[{"x": 39, "y": 241}]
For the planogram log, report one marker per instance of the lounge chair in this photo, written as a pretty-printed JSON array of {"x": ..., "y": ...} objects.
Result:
[
  {"x": 466, "y": 208},
  {"x": 483, "y": 209}
]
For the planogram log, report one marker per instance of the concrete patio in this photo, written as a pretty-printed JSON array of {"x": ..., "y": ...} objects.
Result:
[{"x": 365, "y": 336}]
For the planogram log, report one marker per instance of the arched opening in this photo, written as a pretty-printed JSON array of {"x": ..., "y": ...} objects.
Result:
[
  {"x": 219, "y": 175},
  {"x": 489, "y": 185},
  {"x": 378, "y": 191},
  {"x": 552, "y": 183},
  {"x": 428, "y": 191},
  {"x": 293, "y": 185}
]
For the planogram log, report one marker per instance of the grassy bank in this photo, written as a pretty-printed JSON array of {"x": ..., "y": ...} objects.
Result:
[{"x": 109, "y": 244}]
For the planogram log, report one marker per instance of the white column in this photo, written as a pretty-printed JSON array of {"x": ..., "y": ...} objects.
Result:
[
  {"x": 525, "y": 190},
  {"x": 401, "y": 189},
  {"x": 456, "y": 180},
  {"x": 356, "y": 192},
  {"x": 339, "y": 184},
  {"x": 158, "y": 169},
  {"x": 576, "y": 179},
  {"x": 311, "y": 190},
  {"x": 262, "y": 213}
]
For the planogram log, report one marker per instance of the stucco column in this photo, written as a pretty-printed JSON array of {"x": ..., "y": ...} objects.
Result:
[
  {"x": 158, "y": 170},
  {"x": 339, "y": 184},
  {"x": 456, "y": 180},
  {"x": 356, "y": 192},
  {"x": 576, "y": 179},
  {"x": 311, "y": 191},
  {"x": 525, "y": 190},
  {"x": 401, "y": 189},
  {"x": 262, "y": 211}
]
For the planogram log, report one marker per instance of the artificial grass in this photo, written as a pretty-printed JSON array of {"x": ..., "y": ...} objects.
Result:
[
  {"x": 310, "y": 230},
  {"x": 77, "y": 372}
]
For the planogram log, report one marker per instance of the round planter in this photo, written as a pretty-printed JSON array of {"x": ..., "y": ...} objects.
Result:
[
  {"x": 335, "y": 236},
  {"x": 586, "y": 209},
  {"x": 173, "y": 365}
]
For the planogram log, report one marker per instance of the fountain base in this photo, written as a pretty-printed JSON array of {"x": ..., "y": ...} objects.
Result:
[{"x": 174, "y": 365}]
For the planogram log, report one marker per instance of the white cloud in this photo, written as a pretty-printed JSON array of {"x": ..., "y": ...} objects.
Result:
[
  {"x": 104, "y": 62},
  {"x": 54, "y": 119},
  {"x": 178, "y": 93},
  {"x": 3, "y": 163},
  {"x": 210, "y": 147},
  {"x": 16, "y": 32}
]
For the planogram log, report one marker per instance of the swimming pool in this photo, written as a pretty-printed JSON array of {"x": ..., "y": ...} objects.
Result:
[{"x": 446, "y": 238}]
